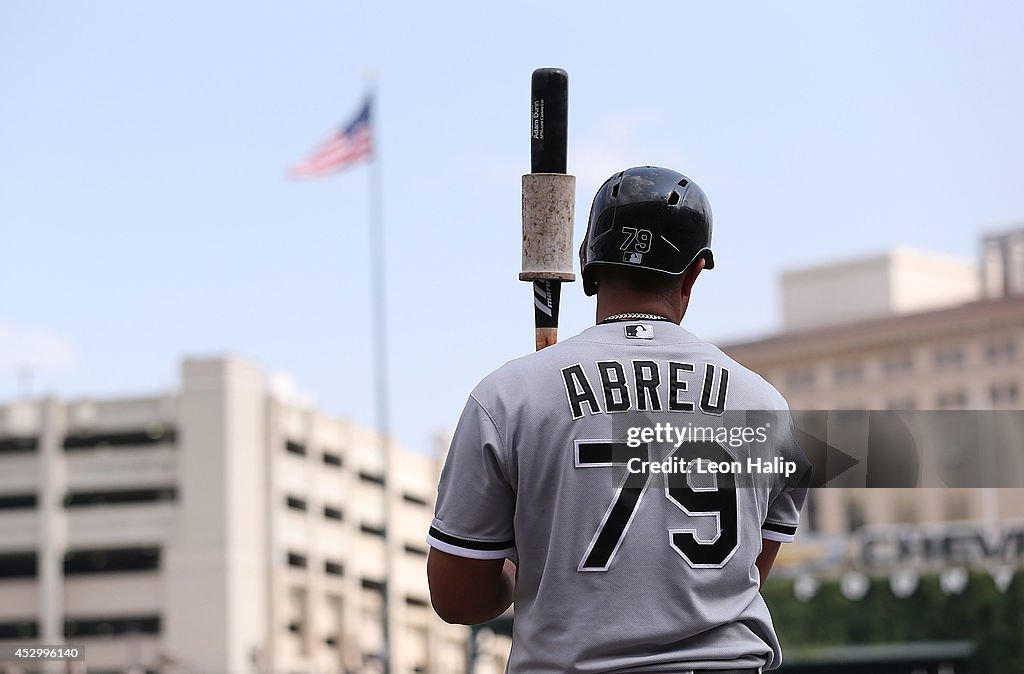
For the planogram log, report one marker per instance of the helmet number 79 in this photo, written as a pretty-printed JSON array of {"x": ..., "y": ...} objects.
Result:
[{"x": 637, "y": 240}]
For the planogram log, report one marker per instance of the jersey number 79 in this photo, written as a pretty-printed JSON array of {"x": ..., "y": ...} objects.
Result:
[{"x": 719, "y": 502}]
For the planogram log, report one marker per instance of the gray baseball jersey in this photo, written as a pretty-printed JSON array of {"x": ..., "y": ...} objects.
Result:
[{"x": 631, "y": 556}]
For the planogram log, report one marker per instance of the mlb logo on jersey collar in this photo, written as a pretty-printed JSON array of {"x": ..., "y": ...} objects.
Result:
[{"x": 639, "y": 331}]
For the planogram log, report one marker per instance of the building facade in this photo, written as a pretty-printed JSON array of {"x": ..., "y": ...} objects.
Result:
[
  {"x": 217, "y": 528},
  {"x": 920, "y": 334}
]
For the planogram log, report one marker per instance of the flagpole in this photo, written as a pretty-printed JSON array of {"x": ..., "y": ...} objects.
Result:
[{"x": 378, "y": 297}]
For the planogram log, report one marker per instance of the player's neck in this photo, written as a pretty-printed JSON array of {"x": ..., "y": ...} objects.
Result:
[{"x": 613, "y": 303}]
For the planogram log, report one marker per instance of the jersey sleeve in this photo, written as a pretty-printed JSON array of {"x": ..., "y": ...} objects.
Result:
[
  {"x": 784, "y": 514},
  {"x": 475, "y": 506},
  {"x": 787, "y": 496}
]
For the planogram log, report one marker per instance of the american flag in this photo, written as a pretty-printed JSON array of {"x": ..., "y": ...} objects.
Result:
[{"x": 341, "y": 150}]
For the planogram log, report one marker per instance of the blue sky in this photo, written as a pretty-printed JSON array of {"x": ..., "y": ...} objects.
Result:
[{"x": 145, "y": 214}]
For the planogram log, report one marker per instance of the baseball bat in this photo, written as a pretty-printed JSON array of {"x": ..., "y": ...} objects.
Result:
[{"x": 549, "y": 130}]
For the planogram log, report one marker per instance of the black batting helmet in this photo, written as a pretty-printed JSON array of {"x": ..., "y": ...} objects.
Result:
[{"x": 649, "y": 218}]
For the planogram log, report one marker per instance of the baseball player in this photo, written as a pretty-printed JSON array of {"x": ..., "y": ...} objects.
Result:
[{"x": 611, "y": 569}]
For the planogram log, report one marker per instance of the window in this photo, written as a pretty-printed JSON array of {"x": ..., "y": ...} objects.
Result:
[
  {"x": 92, "y": 498},
  {"x": 415, "y": 500},
  {"x": 296, "y": 448},
  {"x": 296, "y": 560},
  {"x": 113, "y": 560},
  {"x": 16, "y": 445},
  {"x": 371, "y": 478},
  {"x": 949, "y": 357},
  {"x": 332, "y": 459},
  {"x": 334, "y": 568},
  {"x": 849, "y": 373},
  {"x": 333, "y": 513},
  {"x": 1004, "y": 395},
  {"x": 800, "y": 380},
  {"x": 154, "y": 435},
  {"x": 416, "y": 550},
  {"x": 372, "y": 530},
  {"x": 897, "y": 364},
  {"x": 1001, "y": 350},
  {"x": 112, "y": 626},
  {"x": 951, "y": 400},
  {"x": 296, "y": 503},
  {"x": 18, "y": 502},
  {"x": 24, "y": 629},
  {"x": 18, "y": 565},
  {"x": 416, "y": 601},
  {"x": 374, "y": 585}
]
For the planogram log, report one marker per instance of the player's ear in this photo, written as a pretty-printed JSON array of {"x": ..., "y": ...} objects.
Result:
[{"x": 690, "y": 275}]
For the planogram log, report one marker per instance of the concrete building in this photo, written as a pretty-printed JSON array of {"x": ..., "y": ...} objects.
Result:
[
  {"x": 904, "y": 331},
  {"x": 894, "y": 283},
  {"x": 217, "y": 528}
]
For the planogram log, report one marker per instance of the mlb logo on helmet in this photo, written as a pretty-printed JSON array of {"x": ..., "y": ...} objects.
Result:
[
  {"x": 633, "y": 258},
  {"x": 639, "y": 331}
]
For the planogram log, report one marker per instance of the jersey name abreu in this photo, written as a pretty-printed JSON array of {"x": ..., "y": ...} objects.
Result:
[
  {"x": 539, "y": 471},
  {"x": 646, "y": 386}
]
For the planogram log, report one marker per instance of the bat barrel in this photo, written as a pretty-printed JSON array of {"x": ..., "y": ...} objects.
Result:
[{"x": 549, "y": 120}]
